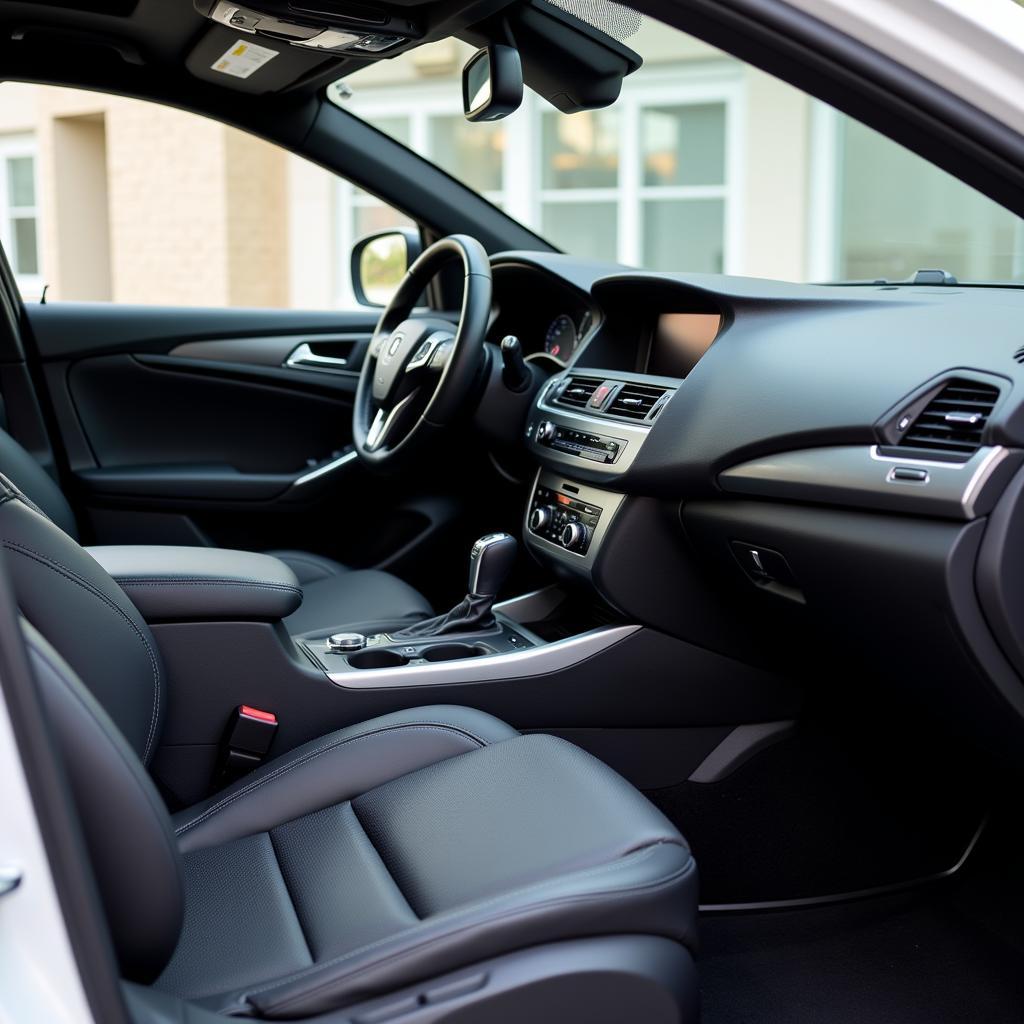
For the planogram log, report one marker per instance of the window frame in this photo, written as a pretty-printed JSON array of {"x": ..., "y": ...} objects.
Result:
[{"x": 13, "y": 147}]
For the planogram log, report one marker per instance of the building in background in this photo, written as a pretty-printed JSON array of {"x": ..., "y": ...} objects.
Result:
[{"x": 704, "y": 164}]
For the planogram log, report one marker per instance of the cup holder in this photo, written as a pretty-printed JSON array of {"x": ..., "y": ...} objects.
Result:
[
  {"x": 452, "y": 652},
  {"x": 377, "y": 659}
]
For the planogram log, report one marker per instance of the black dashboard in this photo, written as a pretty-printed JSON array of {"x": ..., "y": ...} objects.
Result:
[{"x": 718, "y": 454}]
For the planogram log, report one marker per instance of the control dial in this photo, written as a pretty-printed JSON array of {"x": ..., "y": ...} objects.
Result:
[
  {"x": 341, "y": 643},
  {"x": 545, "y": 431},
  {"x": 573, "y": 536},
  {"x": 540, "y": 517}
]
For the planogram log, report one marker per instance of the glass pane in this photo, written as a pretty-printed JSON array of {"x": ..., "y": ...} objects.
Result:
[
  {"x": 471, "y": 152},
  {"x": 684, "y": 145},
  {"x": 377, "y": 217},
  {"x": 26, "y": 252},
  {"x": 899, "y": 214},
  {"x": 580, "y": 150},
  {"x": 582, "y": 228},
  {"x": 21, "y": 181},
  {"x": 396, "y": 127},
  {"x": 684, "y": 234}
]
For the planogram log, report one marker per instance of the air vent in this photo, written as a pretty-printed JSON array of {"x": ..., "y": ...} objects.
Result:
[
  {"x": 578, "y": 392},
  {"x": 953, "y": 421},
  {"x": 636, "y": 401},
  {"x": 1019, "y": 354}
]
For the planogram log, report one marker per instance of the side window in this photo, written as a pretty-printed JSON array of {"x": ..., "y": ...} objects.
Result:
[{"x": 104, "y": 198}]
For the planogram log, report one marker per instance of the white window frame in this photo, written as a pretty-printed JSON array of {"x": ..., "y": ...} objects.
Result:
[
  {"x": 12, "y": 147},
  {"x": 681, "y": 84}
]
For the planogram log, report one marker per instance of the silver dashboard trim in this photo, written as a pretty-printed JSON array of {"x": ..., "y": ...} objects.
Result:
[
  {"x": 634, "y": 434},
  {"x": 608, "y": 501},
  {"x": 536, "y": 661},
  {"x": 862, "y": 476}
]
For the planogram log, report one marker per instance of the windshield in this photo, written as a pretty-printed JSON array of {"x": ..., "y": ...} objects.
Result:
[{"x": 703, "y": 163}]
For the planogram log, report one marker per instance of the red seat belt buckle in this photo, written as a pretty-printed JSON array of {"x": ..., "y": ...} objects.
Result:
[{"x": 247, "y": 739}]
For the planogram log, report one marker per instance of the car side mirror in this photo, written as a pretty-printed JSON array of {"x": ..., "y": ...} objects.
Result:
[
  {"x": 492, "y": 83},
  {"x": 379, "y": 262}
]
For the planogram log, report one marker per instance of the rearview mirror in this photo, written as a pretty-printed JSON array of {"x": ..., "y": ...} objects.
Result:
[
  {"x": 379, "y": 262},
  {"x": 492, "y": 83}
]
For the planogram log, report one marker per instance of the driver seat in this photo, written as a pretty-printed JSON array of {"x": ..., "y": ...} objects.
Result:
[{"x": 333, "y": 595}]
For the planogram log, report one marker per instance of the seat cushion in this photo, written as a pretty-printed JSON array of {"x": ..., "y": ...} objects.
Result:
[
  {"x": 334, "y": 595},
  {"x": 408, "y": 846}
]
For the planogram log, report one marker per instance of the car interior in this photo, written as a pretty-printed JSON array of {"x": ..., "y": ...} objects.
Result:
[{"x": 552, "y": 640}]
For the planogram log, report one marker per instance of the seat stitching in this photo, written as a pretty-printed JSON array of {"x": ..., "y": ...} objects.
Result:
[
  {"x": 197, "y": 582},
  {"x": 284, "y": 769},
  {"x": 611, "y": 867},
  {"x": 70, "y": 574}
]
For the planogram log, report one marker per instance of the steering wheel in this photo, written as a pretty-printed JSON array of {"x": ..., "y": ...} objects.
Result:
[{"x": 418, "y": 372}]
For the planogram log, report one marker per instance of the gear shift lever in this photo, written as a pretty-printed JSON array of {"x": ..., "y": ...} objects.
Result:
[{"x": 490, "y": 562}]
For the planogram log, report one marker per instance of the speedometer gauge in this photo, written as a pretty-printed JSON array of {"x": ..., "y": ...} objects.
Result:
[{"x": 561, "y": 338}]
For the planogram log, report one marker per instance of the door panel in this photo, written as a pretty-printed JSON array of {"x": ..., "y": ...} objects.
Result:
[{"x": 226, "y": 427}]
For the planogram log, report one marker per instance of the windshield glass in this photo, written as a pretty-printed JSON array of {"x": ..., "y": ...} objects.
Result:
[{"x": 703, "y": 163}]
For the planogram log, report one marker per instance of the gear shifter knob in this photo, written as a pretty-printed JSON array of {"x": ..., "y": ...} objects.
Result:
[{"x": 490, "y": 562}]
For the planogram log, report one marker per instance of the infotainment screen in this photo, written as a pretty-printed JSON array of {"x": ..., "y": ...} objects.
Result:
[{"x": 679, "y": 340}]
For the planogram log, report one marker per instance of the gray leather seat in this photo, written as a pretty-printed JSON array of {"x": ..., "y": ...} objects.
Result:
[
  {"x": 333, "y": 594},
  {"x": 427, "y": 856}
]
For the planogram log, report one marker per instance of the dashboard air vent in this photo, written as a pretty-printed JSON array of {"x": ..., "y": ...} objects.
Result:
[
  {"x": 953, "y": 421},
  {"x": 637, "y": 401},
  {"x": 578, "y": 392}
]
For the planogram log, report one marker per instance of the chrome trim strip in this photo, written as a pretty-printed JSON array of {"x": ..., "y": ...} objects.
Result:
[
  {"x": 330, "y": 467},
  {"x": 861, "y": 476},
  {"x": 531, "y": 663}
]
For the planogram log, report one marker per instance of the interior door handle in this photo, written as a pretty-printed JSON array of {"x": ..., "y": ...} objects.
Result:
[{"x": 304, "y": 358}]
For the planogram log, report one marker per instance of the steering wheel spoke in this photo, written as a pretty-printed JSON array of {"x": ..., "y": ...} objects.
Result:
[
  {"x": 419, "y": 371},
  {"x": 386, "y": 422}
]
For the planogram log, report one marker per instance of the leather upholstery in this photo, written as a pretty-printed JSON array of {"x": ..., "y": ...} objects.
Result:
[
  {"x": 127, "y": 833},
  {"x": 68, "y": 597},
  {"x": 375, "y": 857},
  {"x": 180, "y": 584},
  {"x": 410, "y": 846},
  {"x": 334, "y": 595},
  {"x": 31, "y": 479}
]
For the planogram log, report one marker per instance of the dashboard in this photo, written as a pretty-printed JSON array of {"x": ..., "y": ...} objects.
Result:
[{"x": 773, "y": 470}]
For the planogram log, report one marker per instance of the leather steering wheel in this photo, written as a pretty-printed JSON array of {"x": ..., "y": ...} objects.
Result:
[{"x": 418, "y": 372}]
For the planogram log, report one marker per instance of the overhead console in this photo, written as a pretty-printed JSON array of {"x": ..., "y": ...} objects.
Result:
[{"x": 326, "y": 25}]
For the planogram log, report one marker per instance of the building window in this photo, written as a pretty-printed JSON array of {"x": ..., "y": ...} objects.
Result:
[
  {"x": 19, "y": 217},
  {"x": 650, "y": 182}
]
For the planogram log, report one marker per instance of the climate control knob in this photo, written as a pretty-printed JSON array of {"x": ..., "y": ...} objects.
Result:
[
  {"x": 540, "y": 517},
  {"x": 545, "y": 431},
  {"x": 573, "y": 536}
]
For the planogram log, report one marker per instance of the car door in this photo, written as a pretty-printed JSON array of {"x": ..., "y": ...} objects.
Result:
[{"x": 194, "y": 394}]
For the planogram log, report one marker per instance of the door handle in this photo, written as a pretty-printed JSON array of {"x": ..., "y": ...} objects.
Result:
[{"x": 304, "y": 358}]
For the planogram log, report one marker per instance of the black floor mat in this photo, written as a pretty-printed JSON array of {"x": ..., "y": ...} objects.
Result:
[
  {"x": 941, "y": 955},
  {"x": 819, "y": 815}
]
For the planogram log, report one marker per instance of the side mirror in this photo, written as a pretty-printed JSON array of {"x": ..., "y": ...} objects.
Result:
[
  {"x": 492, "y": 83},
  {"x": 379, "y": 262}
]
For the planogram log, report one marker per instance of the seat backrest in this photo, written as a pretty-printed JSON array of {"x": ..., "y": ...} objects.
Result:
[
  {"x": 69, "y": 598},
  {"x": 35, "y": 483},
  {"x": 126, "y": 827}
]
